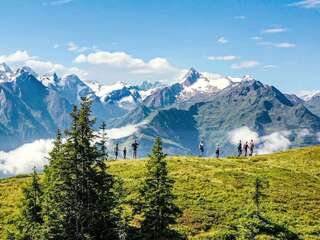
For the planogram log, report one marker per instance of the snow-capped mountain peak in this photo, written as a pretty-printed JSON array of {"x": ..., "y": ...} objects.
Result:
[
  {"x": 26, "y": 70},
  {"x": 5, "y": 72},
  {"x": 195, "y": 83},
  {"x": 190, "y": 77}
]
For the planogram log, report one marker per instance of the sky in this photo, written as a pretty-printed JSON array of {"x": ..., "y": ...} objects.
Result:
[{"x": 276, "y": 42}]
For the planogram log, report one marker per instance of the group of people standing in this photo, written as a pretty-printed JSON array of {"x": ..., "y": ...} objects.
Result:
[
  {"x": 134, "y": 147},
  {"x": 246, "y": 149}
]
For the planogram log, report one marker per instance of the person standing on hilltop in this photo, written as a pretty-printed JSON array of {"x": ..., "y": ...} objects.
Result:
[
  {"x": 125, "y": 152},
  {"x": 218, "y": 151},
  {"x": 116, "y": 151},
  {"x": 240, "y": 149},
  {"x": 134, "y": 149},
  {"x": 251, "y": 148},
  {"x": 245, "y": 148},
  {"x": 201, "y": 148}
]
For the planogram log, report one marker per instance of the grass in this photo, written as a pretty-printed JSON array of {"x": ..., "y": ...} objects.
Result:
[{"x": 215, "y": 193}]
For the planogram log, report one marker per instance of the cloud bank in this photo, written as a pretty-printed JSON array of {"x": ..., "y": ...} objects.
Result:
[
  {"x": 25, "y": 157},
  {"x": 97, "y": 65},
  {"x": 23, "y": 57},
  {"x": 277, "y": 141},
  {"x": 124, "y": 60},
  {"x": 242, "y": 134},
  {"x": 22, "y": 159}
]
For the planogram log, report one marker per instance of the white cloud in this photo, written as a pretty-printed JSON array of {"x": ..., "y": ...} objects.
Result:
[
  {"x": 43, "y": 67},
  {"x": 275, "y": 142},
  {"x": 73, "y": 47},
  {"x": 278, "y": 45},
  {"x": 56, "y": 46},
  {"x": 308, "y": 4},
  {"x": 222, "y": 40},
  {"x": 274, "y": 30},
  {"x": 245, "y": 64},
  {"x": 126, "y": 61},
  {"x": 18, "y": 56},
  {"x": 118, "y": 133},
  {"x": 242, "y": 134},
  {"x": 223, "y": 58},
  {"x": 25, "y": 157},
  {"x": 104, "y": 67}
]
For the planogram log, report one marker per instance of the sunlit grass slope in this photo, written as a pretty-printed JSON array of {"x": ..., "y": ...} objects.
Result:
[{"x": 215, "y": 193}]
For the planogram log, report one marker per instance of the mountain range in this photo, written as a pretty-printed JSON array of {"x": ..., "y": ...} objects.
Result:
[{"x": 198, "y": 105}]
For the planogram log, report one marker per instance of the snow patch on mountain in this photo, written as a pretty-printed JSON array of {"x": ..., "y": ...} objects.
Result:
[{"x": 103, "y": 91}]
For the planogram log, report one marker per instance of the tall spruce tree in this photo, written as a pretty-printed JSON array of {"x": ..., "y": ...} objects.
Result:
[
  {"x": 57, "y": 187},
  {"x": 78, "y": 186},
  {"x": 156, "y": 198},
  {"x": 29, "y": 220}
]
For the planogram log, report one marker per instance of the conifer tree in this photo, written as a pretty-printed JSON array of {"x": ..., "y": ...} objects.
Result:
[
  {"x": 77, "y": 180},
  {"x": 57, "y": 189},
  {"x": 29, "y": 219},
  {"x": 156, "y": 198}
]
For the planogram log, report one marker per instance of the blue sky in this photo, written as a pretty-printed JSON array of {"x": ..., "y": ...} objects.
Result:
[{"x": 277, "y": 42}]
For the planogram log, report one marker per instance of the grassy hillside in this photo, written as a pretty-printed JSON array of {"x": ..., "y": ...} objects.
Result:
[{"x": 215, "y": 194}]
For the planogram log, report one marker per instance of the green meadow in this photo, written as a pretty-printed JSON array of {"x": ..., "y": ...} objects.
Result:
[{"x": 216, "y": 195}]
